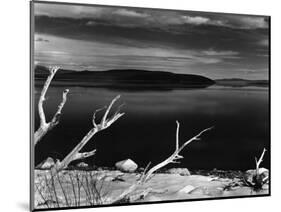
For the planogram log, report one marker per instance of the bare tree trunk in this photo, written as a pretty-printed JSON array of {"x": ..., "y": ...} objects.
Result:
[{"x": 44, "y": 125}]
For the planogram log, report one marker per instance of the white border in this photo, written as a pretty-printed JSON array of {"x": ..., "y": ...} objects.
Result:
[{"x": 14, "y": 119}]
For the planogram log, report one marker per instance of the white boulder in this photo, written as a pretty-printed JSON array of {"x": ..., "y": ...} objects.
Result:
[
  {"x": 82, "y": 165},
  {"x": 47, "y": 164},
  {"x": 126, "y": 165}
]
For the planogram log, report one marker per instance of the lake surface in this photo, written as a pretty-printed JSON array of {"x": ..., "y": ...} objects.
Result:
[{"x": 147, "y": 131}]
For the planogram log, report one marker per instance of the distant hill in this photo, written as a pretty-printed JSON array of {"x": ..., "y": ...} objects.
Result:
[
  {"x": 129, "y": 78},
  {"x": 236, "y": 82}
]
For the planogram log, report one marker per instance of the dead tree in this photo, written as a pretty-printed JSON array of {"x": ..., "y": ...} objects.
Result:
[
  {"x": 146, "y": 175},
  {"x": 105, "y": 122},
  {"x": 75, "y": 154},
  {"x": 260, "y": 178},
  {"x": 44, "y": 125},
  {"x": 256, "y": 178}
]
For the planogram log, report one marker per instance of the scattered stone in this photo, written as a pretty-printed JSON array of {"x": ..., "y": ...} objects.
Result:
[
  {"x": 46, "y": 164},
  {"x": 187, "y": 189},
  {"x": 82, "y": 165},
  {"x": 180, "y": 171},
  {"x": 126, "y": 165}
]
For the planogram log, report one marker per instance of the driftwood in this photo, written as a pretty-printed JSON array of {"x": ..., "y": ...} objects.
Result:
[
  {"x": 146, "y": 175},
  {"x": 44, "y": 125},
  {"x": 75, "y": 154},
  {"x": 257, "y": 177},
  {"x": 258, "y": 162}
]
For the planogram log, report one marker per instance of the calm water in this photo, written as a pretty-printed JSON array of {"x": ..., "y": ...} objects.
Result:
[{"x": 147, "y": 131}]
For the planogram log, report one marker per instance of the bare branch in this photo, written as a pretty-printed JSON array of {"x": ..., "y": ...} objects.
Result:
[
  {"x": 55, "y": 119},
  {"x": 84, "y": 155},
  {"x": 44, "y": 125},
  {"x": 94, "y": 115},
  {"x": 43, "y": 94},
  {"x": 144, "y": 172},
  {"x": 105, "y": 123},
  {"x": 258, "y": 162},
  {"x": 177, "y": 134},
  {"x": 175, "y": 156},
  {"x": 126, "y": 194}
]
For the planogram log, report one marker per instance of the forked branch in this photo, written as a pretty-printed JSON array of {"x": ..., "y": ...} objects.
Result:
[
  {"x": 175, "y": 156},
  {"x": 105, "y": 122},
  {"x": 44, "y": 125}
]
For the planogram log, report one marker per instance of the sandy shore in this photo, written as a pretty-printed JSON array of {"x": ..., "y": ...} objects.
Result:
[{"x": 111, "y": 183}]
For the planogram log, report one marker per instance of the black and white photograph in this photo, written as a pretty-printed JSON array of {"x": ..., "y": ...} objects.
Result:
[{"x": 136, "y": 105}]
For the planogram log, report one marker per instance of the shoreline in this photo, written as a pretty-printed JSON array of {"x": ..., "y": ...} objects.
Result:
[{"x": 162, "y": 186}]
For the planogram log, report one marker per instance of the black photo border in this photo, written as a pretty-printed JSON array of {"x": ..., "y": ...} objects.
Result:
[{"x": 31, "y": 90}]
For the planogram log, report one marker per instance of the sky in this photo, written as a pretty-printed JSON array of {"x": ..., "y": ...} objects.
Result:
[{"x": 99, "y": 38}]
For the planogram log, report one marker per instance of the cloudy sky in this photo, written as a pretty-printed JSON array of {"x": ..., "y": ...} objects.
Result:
[{"x": 101, "y": 38}]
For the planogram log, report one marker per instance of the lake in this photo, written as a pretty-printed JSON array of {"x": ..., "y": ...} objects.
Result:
[{"x": 146, "y": 132}]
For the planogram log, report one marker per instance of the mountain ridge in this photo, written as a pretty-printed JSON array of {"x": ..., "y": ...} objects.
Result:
[{"x": 124, "y": 77}]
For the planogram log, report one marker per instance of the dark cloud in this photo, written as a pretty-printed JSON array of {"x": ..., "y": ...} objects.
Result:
[
  {"x": 209, "y": 40},
  {"x": 188, "y": 36},
  {"x": 150, "y": 17}
]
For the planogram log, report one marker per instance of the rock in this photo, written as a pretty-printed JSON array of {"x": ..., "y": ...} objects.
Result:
[
  {"x": 47, "y": 164},
  {"x": 251, "y": 174},
  {"x": 180, "y": 171},
  {"x": 126, "y": 165},
  {"x": 187, "y": 189},
  {"x": 82, "y": 165}
]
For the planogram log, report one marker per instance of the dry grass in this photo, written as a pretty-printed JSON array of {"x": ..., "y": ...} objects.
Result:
[{"x": 69, "y": 189}]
